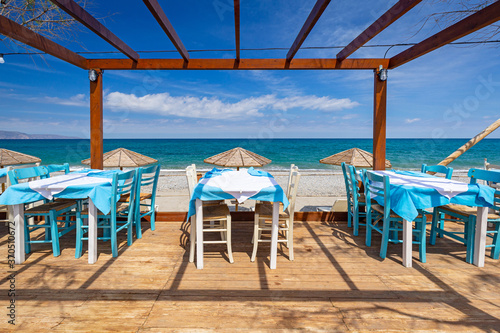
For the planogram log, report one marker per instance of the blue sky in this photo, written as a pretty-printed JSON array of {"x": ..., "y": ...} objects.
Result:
[{"x": 453, "y": 92}]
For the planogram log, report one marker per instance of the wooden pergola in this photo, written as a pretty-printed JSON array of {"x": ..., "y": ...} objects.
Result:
[{"x": 470, "y": 24}]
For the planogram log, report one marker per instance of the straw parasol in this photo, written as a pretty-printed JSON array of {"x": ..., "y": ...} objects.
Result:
[
  {"x": 238, "y": 157},
  {"x": 122, "y": 157},
  {"x": 354, "y": 156},
  {"x": 10, "y": 157}
]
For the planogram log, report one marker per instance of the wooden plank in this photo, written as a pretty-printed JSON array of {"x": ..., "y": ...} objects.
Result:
[
  {"x": 313, "y": 17},
  {"x": 237, "y": 27},
  {"x": 16, "y": 31},
  {"x": 389, "y": 17},
  {"x": 96, "y": 123},
  {"x": 82, "y": 16},
  {"x": 468, "y": 25},
  {"x": 232, "y": 64},
  {"x": 155, "y": 9},
  {"x": 379, "y": 123}
]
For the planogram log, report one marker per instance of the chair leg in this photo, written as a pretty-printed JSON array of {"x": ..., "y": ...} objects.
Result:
[
  {"x": 27, "y": 240},
  {"x": 435, "y": 222},
  {"x": 349, "y": 212},
  {"x": 368, "y": 238},
  {"x": 385, "y": 238},
  {"x": 137, "y": 220},
  {"x": 114, "y": 241},
  {"x": 256, "y": 237},
  {"x": 130, "y": 231},
  {"x": 79, "y": 235},
  {"x": 192, "y": 239},
  {"x": 469, "y": 227},
  {"x": 495, "y": 250},
  {"x": 228, "y": 239},
  {"x": 421, "y": 239},
  {"x": 356, "y": 221},
  {"x": 153, "y": 216},
  {"x": 290, "y": 240},
  {"x": 54, "y": 233}
]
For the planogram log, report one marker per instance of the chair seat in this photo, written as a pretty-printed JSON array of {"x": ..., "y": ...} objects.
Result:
[
  {"x": 120, "y": 207},
  {"x": 47, "y": 207},
  {"x": 380, "y": 209},
  {"x": 143, "y": 196},
  {"x": 266, "y": 211},
  {"x": 215, "y": 212},
  {"x": 466, "y": 211}
]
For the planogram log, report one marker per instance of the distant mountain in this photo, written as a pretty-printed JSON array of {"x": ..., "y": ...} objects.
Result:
[{"x": 9, "y": 135}]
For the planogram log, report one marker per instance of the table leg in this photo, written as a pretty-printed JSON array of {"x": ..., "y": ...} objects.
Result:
[
  {"x": 92, "y": 232},
  {"x": 407, "y": 243},
  {"x": 480, "y": 236},
  {"x": 274, "y": 235},
  {"x": 199, "y": 234},
  {"x": 19, "y": 255}
]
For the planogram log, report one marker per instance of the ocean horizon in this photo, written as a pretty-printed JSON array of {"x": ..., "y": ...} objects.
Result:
[{"x": 177, "y": 154}]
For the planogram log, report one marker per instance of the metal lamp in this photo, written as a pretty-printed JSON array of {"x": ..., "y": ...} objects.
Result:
[
  {"x": 2, "y": 60},
  {"x": 382, "y": 73},
  {"x": 93, "y": 75}
]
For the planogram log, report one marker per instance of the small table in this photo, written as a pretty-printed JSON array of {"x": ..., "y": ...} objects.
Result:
[
  {"x": 92, "y": 184},
  {"x": 240, "y": 185},
  {"x": 411, "y": 191}
]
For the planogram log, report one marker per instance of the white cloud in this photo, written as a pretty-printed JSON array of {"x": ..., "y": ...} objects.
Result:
[
  {"x": 202, "y": 107},
  {"x": 409, "y": 121},
  {"x": 77, "y": 100}
]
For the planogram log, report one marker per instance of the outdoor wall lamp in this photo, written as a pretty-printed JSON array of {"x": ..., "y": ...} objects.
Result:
[
  {"x": 2, "y": 60},
  {"x": 382, "y": 73},
  {"x": 93, "y": 75}
]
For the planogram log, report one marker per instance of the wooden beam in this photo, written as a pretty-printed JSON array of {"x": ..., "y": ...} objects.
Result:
[
  {"x": 237, "y": 27},
  {"x": 313, "y": 17},
  {"x": 474, "y": 22},
  {"x": 159, "y": 14},
  {"x": 379, "y": 123},
  {"x": 389, "y": 17},
  {"x": 82, "y": 16},
  {"x": 232, "y": 64},
  {"x": 96, "y": 123},
  {"x": 16, "y": 31}
]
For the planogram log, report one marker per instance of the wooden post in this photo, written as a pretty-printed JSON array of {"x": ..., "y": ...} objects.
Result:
[
  {"x": 96, "y": 133},
  {"x": 379, "y": 123}
]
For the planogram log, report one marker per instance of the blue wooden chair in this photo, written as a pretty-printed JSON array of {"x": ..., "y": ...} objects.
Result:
[
  {"x": 355, "y": 197},
  {"x": 384, "y": 221},
  {"x": 120, "y": 218},
  {"x": 447, "y": 172},
  {"x": 145, "y": 198},
  {"x": 468, "y": 216},
  {"x": 345, "y": 171},
  {"x": 50, "y": 211}
]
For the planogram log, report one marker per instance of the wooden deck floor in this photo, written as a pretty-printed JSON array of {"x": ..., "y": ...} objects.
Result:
[{"x": 334, "y": 284}]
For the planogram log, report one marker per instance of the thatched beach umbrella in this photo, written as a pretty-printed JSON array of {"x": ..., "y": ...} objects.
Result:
[
  {"x": 10, "y": 157},
  {"x": 238, "y": 157},
  {"x": 354, "y": 156},
  {"x": 122, "y": 157}
]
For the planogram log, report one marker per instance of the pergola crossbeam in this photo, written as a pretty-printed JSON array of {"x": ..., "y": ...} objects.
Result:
[
  {"x": 16, "y": 31},
  {"x": 82, "y": 16},
  {"x": 232, "y": 64},
  {"x": 313, "y": 17},
  {"x": 389, "y": 17},
  {"x": 237, "y": 27},
  {"x": 468, "y": 25},
  {"x": 158, "y": 13}
]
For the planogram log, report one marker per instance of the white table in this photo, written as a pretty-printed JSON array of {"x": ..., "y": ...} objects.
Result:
[
  {"x": 239, "y": 185},
  {"x": 96, "y": 189},
  {"x": 425, "y": 195}
]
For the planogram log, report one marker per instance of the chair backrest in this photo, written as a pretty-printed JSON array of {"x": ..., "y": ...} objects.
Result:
[
  {"x": 124, "y": 183},
  {"x": 148, "y": 176},
  {"x": 377, "y": 185},
  {"x": 489, "y": 166},
  {"x": 442, "y": 169},
  {"x": 292, "y": 168},
  {"x": 15, "y": 175},
  {"x": 294, "y": 186},
  {"x": 57, "y": 168},
  {"x": 488, "y": 176},
  {"x": 345, "y": 171},
  {"x": 191, "y": 178}
]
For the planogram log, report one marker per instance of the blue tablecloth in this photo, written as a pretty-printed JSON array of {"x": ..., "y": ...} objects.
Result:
[
  {"x": 407, "y": 200},
  {"x": 99, "y": 193},
  {"x": 206, "y": 192}
]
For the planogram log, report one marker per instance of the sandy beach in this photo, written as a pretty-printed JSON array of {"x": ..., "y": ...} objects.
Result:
[{"x": 316, "y": 189}]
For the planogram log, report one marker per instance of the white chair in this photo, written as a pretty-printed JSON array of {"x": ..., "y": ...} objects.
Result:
[
  {"x": 216, "y": 218},
  {"x": 264, "y": 215}
]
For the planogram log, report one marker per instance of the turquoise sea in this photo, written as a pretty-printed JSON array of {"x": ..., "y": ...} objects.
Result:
[{"x": 306, "y": 153}]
